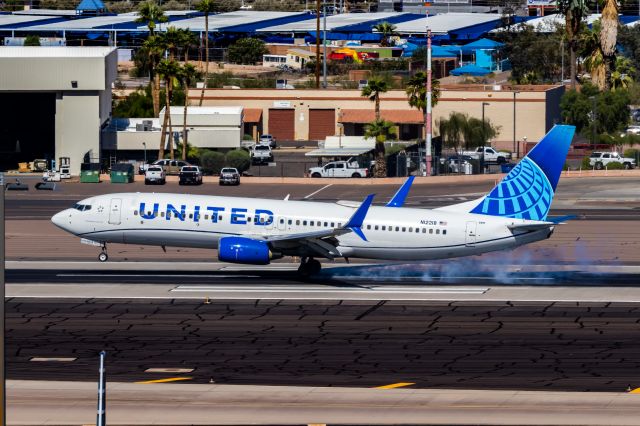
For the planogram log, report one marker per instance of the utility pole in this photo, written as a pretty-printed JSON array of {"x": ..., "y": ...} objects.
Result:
[
  {"x": 3, "y": 379},
  {"x": 484, "y": 137},
  {"x": 427, "y": 101},
  {"x": 317, "y": 44},
  {"x": 514, "y": 120},
  {"x": 324, "y": 46}
]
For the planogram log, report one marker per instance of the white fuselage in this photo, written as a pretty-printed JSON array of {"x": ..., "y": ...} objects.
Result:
[{"x": 200, "y": 221}]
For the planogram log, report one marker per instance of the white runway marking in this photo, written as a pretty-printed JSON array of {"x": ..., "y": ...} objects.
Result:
[
  {"x": 315, "y": 192},
  {"x": 291, "y": 289},
  {"x": 156, "y": 275}
]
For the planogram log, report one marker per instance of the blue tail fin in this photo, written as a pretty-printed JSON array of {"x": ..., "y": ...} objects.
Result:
[{"x": 527, "y": 191}]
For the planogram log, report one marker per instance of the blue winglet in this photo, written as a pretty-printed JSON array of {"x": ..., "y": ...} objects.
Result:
[
  {"x": 356, "y": 220},
  {"x": 401, "y": 195}
]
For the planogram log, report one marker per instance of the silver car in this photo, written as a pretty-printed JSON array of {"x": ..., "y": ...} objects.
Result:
[{"x": 229, "y": 176}]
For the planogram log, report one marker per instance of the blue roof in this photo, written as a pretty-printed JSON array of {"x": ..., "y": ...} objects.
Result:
[
  {"x": 332, "y": 35},
  {"x": 368, "y": 25},
  {"x": 253, "y": 26},
  {"x": 470, "y": 70},
  {"x": 482, "y": 44},
  {"x": 93, "y": 5},
  {"x": 436, "y": 51}
]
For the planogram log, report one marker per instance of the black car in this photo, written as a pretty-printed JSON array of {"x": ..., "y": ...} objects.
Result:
[{"x": 190, "y": 175}]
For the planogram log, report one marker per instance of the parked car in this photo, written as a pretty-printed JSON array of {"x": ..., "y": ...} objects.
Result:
[
  {"x": 229, "y": 176},
  {"x": 171, "y": 167},
  {"x": 268, "y": 140},
  {"x": 633, "y": 130},
  {"x": 190, "y": 175},
  {"x": 490, "y": 155},
  {"x": 454, "y": 164},
  {"x": 339, "y": 169},
  {"x": 155, "y": 174},
  {"x": 261, "y": 154},
  {"x": 599, "y": 160}
]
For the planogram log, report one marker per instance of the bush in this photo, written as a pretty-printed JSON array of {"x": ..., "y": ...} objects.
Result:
[
  {"x": 585, "y": 164},
  {"x": 211, "y": 162},
  {"x": 394, "y": 149},
  {"x": 32, "y": 40},
  {"x": 247, "y": 137},
  {"x": 238, "y": 158},
  {"x": 247, "y": 51},
  {"x": 631, "y": 153},
  {"x": 614, "y": 165}
]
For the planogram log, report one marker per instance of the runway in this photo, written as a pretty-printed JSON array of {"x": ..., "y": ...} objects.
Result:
[{"x": 266, "y": 328}]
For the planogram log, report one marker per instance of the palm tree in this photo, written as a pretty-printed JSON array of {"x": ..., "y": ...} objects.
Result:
[
  {"x": 169, "y": 70},
  {"x": 150, "y": 13},
  {"x": 594, "y": 58},
  {"x": 206, "y": 7},
  {"x": 173, "y": 40},
  {"x": 621, "y": 76},
  {"x": 608, "y": 36},
  {"x": 387, "y": 30},
  {"x": 187, "y": 41},
  {"x": 573, "y": 11},
  {"x": 188, "y": 74},
  {"x": 372, "y": 90},
  {"x": 381, "y": 131},
  {"x": 154, "y": 47},
  {"x": 417, "y": 89}
]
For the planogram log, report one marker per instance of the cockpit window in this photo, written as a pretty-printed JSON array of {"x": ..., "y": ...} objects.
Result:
[{"x": 82, "y": 207}]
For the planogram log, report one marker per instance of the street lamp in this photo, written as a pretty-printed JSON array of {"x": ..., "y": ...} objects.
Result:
[
  {"x": 514, "y": 120},
  {"x": 144, "y": 144},
  {"x": 484, "y": 136}
]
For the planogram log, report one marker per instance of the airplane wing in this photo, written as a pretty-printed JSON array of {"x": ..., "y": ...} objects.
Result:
[{"x": 323, "y": 242}]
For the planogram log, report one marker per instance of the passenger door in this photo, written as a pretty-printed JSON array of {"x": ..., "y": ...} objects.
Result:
[
  {"x": 115, "y": 211},
  {"x": 470, "y": 239}
]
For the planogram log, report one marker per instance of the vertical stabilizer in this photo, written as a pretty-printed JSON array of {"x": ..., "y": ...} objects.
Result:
[{"x": 528, "y": 190}]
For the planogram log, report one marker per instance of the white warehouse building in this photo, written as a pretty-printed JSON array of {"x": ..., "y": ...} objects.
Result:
[
  {"x": 207, "y": 127},
  {"x": 54, "y": 102}
]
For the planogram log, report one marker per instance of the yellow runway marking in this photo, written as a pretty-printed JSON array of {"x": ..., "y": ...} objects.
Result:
[
  {"x": 636, "y": 390},
  {"x": 170, "y": 379},
  {"x": 394, "y": 385}
]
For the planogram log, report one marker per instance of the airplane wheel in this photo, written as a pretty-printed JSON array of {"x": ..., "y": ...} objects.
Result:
[
  {"x": 314, "y": 266},
  {"x": 103, "y": 257}
]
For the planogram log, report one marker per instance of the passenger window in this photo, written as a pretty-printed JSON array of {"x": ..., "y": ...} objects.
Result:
[
  {"x": 397, "y": 229},
  {"x": 168, "y": 215},
  {"x": 206, "y": 217},
  {"x": 190, "y": 215},
  {"x": 376, "y": 227},
  {"x": 290, "y": 221},
  {"x": 333, "y": 225},
  {"x": 304, "y": 223},
  {"x": 431, "y": 230},
  {"x": 161, "y": 214},
  {"x": 417, "y": 230},
  {"x": 248, "y": 218},
  {"x": 135, "y": 212},
  {"x": 384, "y": 227},
  {"x": 311, "y": 223},
  {"x": 339, "y": 225},
  {"x": 411, "y": 229},
  {"x": 326, "y": 224},
  {"x": 281, "y": 221},
  {"x": 404, "y": 229},
  {"x": 297, "y": 222},
  {"x": 444, "y": 232},
  {"x": 437, "y": 231},
  {"x": 148, "y": 213},
  {"x": 424, "y": 230},
  {"x": 220, "y": 217},
  {"x": 368, "y": 226}
]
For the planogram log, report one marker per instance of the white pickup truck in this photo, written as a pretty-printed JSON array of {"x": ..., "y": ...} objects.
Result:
[
  {"x": 341, "y": 169},
  {"x": 490, "y": 155}
]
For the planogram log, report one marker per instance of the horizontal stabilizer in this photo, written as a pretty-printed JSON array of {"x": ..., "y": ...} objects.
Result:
[
  {"x": 530, "y": 226},
  {"x": 400, "y": 196}
]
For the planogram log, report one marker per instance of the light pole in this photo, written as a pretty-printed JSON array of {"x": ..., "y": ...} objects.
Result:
[
  {"x": 3, "y": 384},
  {"x": 484, "y": 136},
  {"x": 324, "y": 45},
  {"x": 144, "y": 144},
  {"x": 427, "y": 115},
  {"x": 594, "y": 114},
  {"x": 317, "y": 44},
  {"x": 514, "y": 120}
]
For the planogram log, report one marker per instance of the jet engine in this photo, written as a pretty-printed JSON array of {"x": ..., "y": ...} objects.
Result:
[{"x": 243, "y": 250}]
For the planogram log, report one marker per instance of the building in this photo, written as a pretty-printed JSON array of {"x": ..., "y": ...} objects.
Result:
[
  {"x": 54, "y": 102},
  {"x": 313, "y": 115},
  {"x": 297, "y": 58},
  {"x": 207, "y": 127}
]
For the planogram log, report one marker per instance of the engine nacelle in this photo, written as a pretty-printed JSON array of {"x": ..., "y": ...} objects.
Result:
[{"x": 243, "y": 250}]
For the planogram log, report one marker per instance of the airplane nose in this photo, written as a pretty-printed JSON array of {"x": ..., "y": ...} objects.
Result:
[{"x": 61, "y": 220}]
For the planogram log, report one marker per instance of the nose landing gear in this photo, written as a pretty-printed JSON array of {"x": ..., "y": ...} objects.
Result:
[
  {"x": 103, "y": 256},
  {"x": 309, "y": 266}
]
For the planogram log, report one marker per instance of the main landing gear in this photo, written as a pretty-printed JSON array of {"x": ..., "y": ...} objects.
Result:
[
  {"x": 309, "y": 266},
  {"x": 103, "y": 256}
]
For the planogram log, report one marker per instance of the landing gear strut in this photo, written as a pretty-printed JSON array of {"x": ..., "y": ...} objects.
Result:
[
  {"x": 309, "y": 266},
  {"x": 103, "y": 256}
]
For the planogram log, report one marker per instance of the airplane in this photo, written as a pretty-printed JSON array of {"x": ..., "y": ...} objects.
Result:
[{"x": 257, "y": 231}]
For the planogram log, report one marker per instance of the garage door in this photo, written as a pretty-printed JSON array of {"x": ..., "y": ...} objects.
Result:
[
  {"x": 322, "y": 123},
  {"x": 281, "y": 124}
]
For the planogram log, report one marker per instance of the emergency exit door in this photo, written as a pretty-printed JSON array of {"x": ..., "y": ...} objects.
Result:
[
  {"x": 115, "y": 212},
  {"x": 471, "y": 234}
]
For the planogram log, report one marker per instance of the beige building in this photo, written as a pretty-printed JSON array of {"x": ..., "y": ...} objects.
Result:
[
  {"x": 315, "y": 114},
  {"x": 66, "y": 94}
]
